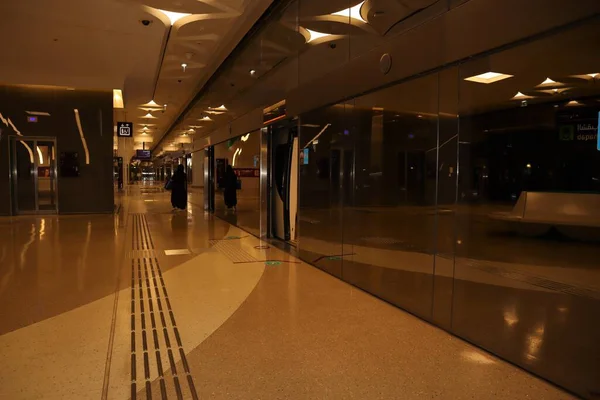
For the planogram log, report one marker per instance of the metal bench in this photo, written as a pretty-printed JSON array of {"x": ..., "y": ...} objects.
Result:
[{"x": 576, "y": 215}]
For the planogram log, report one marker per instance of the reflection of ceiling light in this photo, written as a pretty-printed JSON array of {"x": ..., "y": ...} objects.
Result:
[
  {"x": 38, "y": 113},
  {"x": 521, "y": 96},
  {"x": 235, "y": 155},
  {"x": 314, "y": 35},
  {"x": 488, "y": 77},
  {"x": 573, "y": 103},
  {"x": 149, "y": 116},
  {"x": 174, "y": 16},
  {"x": 215, "y": 112},
  {"x": 118, "y": 98},
  {"x": 40, "y": 155},
  {"x": 353, "y": 12}
]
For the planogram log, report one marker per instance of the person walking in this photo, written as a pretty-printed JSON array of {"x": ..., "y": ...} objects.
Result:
[
  {"x": 178, "y": 186},
  {"x": 230, "y": 192}
]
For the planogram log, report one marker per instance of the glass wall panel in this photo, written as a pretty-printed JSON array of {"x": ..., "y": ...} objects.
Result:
[
  {"x": 243, "y": 155},
  {"x": 322, "y": 146},
  {"x": 527, "y": 280},
  {"x": 389, "y": 226}
]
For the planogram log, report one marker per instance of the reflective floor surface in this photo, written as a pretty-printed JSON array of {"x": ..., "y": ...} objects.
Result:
[{"x": 150, "y": 303}]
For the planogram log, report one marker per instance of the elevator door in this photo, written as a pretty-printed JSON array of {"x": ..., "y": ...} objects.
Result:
[{"x": 33, "y": 174}]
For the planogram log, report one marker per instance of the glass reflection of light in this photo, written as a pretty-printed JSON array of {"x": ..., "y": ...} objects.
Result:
[
  {"x": 510, "y": 317},
  {"x": 477, "y": 357},
  {"x": 534, "y": 343}
]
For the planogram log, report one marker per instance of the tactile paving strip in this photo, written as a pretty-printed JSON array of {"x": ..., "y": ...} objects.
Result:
[
  {"x": 153, "y": 325},
  {"x": 232, "y": 250},
  {"x": 535, "y": 280}
]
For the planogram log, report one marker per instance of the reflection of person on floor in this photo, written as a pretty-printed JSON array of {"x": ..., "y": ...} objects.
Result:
[
  {"x": 179, "y": 189},
  {"x": 230, "y": 192}
]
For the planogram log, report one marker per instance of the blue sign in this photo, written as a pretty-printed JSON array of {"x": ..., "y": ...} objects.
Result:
[
  {"x": 305, "y": 156},
  {"x": 32, "y": 119}
]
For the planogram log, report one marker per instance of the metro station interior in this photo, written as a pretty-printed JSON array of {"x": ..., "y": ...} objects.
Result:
[{"x": 416, "y": 214}]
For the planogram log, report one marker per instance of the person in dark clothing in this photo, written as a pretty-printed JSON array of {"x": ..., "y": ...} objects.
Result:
[
  {"x": 179, "y": 189},
  {"x": 230, "y": 192}
]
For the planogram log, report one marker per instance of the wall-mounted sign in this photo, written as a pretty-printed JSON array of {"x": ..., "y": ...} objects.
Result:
[
  {"x": 124, "y": 129},
  {"x": 274, "y": 112},
  {"x": 304, "y": 156},
  {"x": 247, "y": 172}
]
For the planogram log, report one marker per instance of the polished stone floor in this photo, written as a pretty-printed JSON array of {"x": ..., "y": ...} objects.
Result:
[{"x": 184, "y": 305}]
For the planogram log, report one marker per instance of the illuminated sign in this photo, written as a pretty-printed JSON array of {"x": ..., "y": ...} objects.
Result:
[
  {"x": 143, "y": 154},
  {"x": 124, "y": 129},
  {"x": 32, "y": 119}
]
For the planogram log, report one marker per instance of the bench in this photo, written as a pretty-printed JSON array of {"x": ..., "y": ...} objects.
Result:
[{"x": 576, "y": 215}]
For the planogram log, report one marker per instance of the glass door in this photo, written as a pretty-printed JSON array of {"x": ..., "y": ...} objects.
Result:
[
  {"x": 46, "y": 175},
  {"x": 33, "y": 176}
]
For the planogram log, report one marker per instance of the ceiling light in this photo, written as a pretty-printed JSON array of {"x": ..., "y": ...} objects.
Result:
[
  {"x": 252, "y": 72},
  {"x": 353, "y": 12},
  {"x": 205, "y": 118},
  {"x": 488, "y": 77},
  {"x": 118, "y": 98},
  {"x": 174, "y": 16},
  {"x": 548, "y": 81},
  {"x": 184, "y": 66},
  {"x": 521, "y": 96},
  {"x": 593, "y": 75},
  {"x": 191, "y": 130},
  {"x": 149, "y": 116},
  {"x": 220, "y": 108},
  {"x": 314, "y": 35},
  {"x": 151, "y": 103},
  {"x": 214, "y": 112},
  {"x": 245, "y": 137},
  {"x": 573, "y": 103}
]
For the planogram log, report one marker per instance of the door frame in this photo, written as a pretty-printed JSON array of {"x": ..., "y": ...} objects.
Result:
[{"x": 13, "y": 181}]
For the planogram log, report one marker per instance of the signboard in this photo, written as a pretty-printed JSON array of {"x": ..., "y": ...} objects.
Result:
[
  {"x": 143, "y": 154},
  {"x": 124, "y": 129},
  {"x": 304, "y": 156},
  {"x": 247, "y": 172}
]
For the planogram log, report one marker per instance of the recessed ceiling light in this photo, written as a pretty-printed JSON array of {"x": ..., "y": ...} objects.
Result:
[
  {"x": 353, "y": 12},
  {"x": 521, "y": 96},
  {"x": 118, "y": 98},
  {"x": 488, "y": 77},
  {"x": 173, "y": 16},
  {"x": 314, "y": 35}
]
